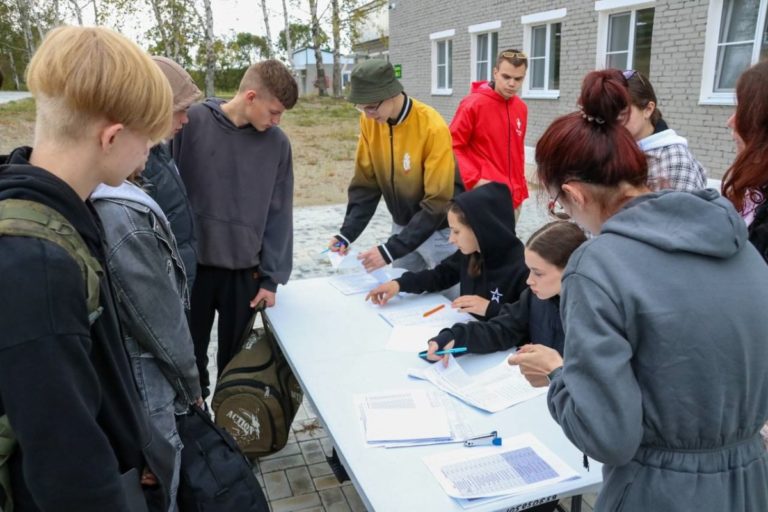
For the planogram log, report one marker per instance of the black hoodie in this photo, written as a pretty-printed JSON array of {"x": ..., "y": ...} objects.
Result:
[
  {"x": 66, "y": 387},
  {"x": 489, "y": 212}
]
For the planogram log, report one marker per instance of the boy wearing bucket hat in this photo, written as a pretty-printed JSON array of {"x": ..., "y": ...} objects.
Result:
[{"x": 404, "y": 154}]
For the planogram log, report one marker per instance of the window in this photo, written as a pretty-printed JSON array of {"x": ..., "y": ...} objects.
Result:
[
  {"x": 624, "y": 38},
  {"x": 737, "y": 37},
  {"x": 442, "y": 62},
  {"x": 541, "y": 41},
  {"x": 485, "y": 48}
]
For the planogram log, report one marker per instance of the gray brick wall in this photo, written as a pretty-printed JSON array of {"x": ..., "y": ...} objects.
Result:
[{"x": 676, "y": 61}]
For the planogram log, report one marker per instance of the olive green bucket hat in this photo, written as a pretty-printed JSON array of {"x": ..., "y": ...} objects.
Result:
[{"x": 373, "y": 81}]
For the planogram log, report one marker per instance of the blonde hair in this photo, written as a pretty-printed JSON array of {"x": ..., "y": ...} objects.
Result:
[{"x": 80, "y": 75}]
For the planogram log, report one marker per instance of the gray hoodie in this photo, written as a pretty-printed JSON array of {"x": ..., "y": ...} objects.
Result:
[
  {"x": 666, "y": 344},
  {"x": 240, "y": 183}
]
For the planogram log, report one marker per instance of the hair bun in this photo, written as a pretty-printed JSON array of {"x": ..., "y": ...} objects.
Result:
[{"x": 604, "y": 96}]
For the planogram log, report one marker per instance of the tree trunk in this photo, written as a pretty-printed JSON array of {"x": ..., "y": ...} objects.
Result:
[
  {"x": 160, "y": 23},
  {"x": 78, "y": 11},
  {"x": 336, "y": 26},
  {"x": 288, "y": 42},
  {"x": 26, "y": 27},
  {"x": 315, "y": 27},
  {"x": 16, "y": 80},
  {"x": 95, "y": 13},
  {"x": 210, "y": 56},
  {"x": 266, "y": 26}
]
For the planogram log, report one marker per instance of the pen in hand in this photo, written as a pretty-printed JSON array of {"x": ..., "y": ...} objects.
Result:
[{"x": 457, "y": 350}]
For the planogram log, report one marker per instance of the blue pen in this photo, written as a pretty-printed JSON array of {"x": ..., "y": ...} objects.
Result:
[
  {"x": 457, "y": 350},
  {"x": 337, "y": 244}
]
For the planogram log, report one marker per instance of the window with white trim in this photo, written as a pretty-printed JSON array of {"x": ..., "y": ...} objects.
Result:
[
  {"x": 541, "y": 41},
  {"x": 442, "y": 62},
  {"x": 737, "y": 37},
  {"x": 625, "y": 36},
  {"x": 484, "y": 49}
]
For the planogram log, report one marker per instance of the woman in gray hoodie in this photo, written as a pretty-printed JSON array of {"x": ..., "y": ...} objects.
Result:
[{"x": 663, "y": 378}]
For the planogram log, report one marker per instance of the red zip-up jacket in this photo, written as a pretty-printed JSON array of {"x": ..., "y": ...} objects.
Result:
[{"x": 488, "y": 139}]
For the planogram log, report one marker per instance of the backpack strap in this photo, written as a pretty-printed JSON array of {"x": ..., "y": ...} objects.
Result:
[{"x": 20, "y": 217}]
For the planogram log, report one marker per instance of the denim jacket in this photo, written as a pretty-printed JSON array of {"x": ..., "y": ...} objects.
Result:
[{"x": 150, "y": 283}]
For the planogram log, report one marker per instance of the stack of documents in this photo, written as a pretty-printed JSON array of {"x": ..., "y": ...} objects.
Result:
[
  {"x": 411, "y": 329},
  {"x": 523, "y": 464},
  {"x": 493, "y": 390},
  {"x": 407, "y": 417},
  {"x": 359, "y": 282}
]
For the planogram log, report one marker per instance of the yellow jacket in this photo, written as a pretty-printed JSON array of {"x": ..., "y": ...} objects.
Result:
[{"x": 410, "y": 162}]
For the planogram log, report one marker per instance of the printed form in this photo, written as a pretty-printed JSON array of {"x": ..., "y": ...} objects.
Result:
[
  {"x": 522, "y": 465},
  {"x": 493, "y": 390}
]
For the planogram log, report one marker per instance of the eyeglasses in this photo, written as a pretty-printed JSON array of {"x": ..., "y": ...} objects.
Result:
[
  {"x": 554, "y": 204},
  {"x": 514, "y": 55},
  {"x": 369, "y": 109}
]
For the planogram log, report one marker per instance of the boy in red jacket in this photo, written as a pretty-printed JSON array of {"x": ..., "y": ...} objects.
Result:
[{"x": 488, "y": 129}]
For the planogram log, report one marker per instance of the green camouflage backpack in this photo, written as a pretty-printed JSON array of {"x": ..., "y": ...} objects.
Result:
[{"x": 19, "y": 217}]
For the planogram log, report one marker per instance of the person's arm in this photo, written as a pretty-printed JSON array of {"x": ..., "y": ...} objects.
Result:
[
  {"x": 595, "y": 396},
  {"x": 151, "y": 308},
  {"x": 49, "y": 387},
  {"x": 508, "y": 329},
  {"x": 446, "y": 274},
  {"x": 439, "y": 172},
  {"x": 462, "y": 128},
  {"x": 277, "y": 244},
  {"x": 758, "y": 231},
  {"x": 363, "y": 193}
]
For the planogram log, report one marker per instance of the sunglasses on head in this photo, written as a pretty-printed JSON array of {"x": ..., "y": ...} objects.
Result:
[{"x": 514, "y": 55}]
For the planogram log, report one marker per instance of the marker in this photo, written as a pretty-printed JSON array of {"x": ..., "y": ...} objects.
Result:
[
  {"x": 457, "y": 350},
  {"x": 491, "y": 439},
  {"x": 433, "y": 310}
]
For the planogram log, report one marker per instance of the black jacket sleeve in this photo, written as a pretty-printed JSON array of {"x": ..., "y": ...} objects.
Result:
[
  {"x": 509, "y": 329},
  {"x": 363, "y": 193},
  {"x": 49, "y": 387},
  {"x": 758, "y": 231},
  {"x": 446, "y": 274}
]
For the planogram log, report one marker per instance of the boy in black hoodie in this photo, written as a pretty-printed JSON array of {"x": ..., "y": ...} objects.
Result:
[
  {"x": 488, "y": 265},
  {"x": 84, "y": 443}
]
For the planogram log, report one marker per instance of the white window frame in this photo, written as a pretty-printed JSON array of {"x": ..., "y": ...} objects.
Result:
[
  {"x": 478, "y": 30},
  {"x": 529, "y": 22},
  {"x": 707, "y": 95},
  {"x": 605, "y": 9},
  {"x": 439, "y": 37}
]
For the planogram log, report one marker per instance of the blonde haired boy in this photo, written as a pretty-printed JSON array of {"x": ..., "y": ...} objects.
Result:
[{"x": 84, "y": 442}]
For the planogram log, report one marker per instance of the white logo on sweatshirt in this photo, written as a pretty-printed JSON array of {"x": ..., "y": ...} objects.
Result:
[
  {"x": 407, "y": 162},
  {"x": 519, "y": 129},
  {"x": 496, "y": 296}
]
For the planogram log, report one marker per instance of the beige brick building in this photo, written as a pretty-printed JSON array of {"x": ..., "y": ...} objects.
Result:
[{"x": 693, "y": 51}]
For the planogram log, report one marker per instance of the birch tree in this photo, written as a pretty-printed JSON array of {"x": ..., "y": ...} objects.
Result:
[
  {"x": 287, "y": 30},
  {"x": 315, "y": 28},
  {"x": 266, "y": 26},
  {"x": 336, "y": 34}
]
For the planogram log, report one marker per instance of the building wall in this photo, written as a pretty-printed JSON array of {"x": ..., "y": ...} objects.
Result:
[{"x": 676, "y": 61}]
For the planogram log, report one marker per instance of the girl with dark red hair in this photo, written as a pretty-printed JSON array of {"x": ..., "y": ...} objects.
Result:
[{"x": 663, "y": 376}]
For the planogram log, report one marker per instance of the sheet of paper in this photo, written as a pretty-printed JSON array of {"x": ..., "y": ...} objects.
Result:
[
  {"x": 350, "y": 284},
  {"x": 344, "y": 262},
  {"x": 430, "y": 423},
  {"x": 413, "y": 400},
  {"x": 522, "y": 464},
  {"x": 410, "y": 338},
  {"x": 493, "y": 390},
  {"x": 410, "y": 312}
]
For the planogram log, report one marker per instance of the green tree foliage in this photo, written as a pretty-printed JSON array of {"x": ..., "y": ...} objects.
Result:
[{"x": 301, "y": 36}]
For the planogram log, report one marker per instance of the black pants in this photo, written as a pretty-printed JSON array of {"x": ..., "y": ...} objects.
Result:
[{"x": 229, "y": 292}]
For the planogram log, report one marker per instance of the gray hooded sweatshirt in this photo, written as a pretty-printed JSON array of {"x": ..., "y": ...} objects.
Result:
[
  {"x": 666, "y": 357},
  {"x": 240, "y": 184}
]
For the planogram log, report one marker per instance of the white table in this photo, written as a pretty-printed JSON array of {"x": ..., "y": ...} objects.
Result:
[{"x": 335, "y": 345}]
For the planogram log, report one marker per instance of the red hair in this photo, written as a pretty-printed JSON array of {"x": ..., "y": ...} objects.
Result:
[
  {"x": 593, "y": 145},
  {"x": 748, "y": 174}
]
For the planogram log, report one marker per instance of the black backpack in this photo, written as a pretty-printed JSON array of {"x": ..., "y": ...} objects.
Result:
[
  {"x": 215, "y": 475},
  {"x": 257, "y": 395}
]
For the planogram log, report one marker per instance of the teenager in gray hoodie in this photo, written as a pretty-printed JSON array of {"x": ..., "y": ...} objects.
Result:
[{"x": 663, "y": 378}]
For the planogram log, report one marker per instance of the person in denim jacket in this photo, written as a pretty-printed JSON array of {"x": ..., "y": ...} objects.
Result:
[{"x": 149, "y": 279}]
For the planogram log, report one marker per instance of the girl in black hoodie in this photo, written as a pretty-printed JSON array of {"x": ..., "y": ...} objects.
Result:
[
  {"x": 488, "y": 265},
  {"x": 535, "y": 317}
]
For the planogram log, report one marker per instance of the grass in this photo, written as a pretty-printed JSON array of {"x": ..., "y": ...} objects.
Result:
[{"x": 323, "y": 133}]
